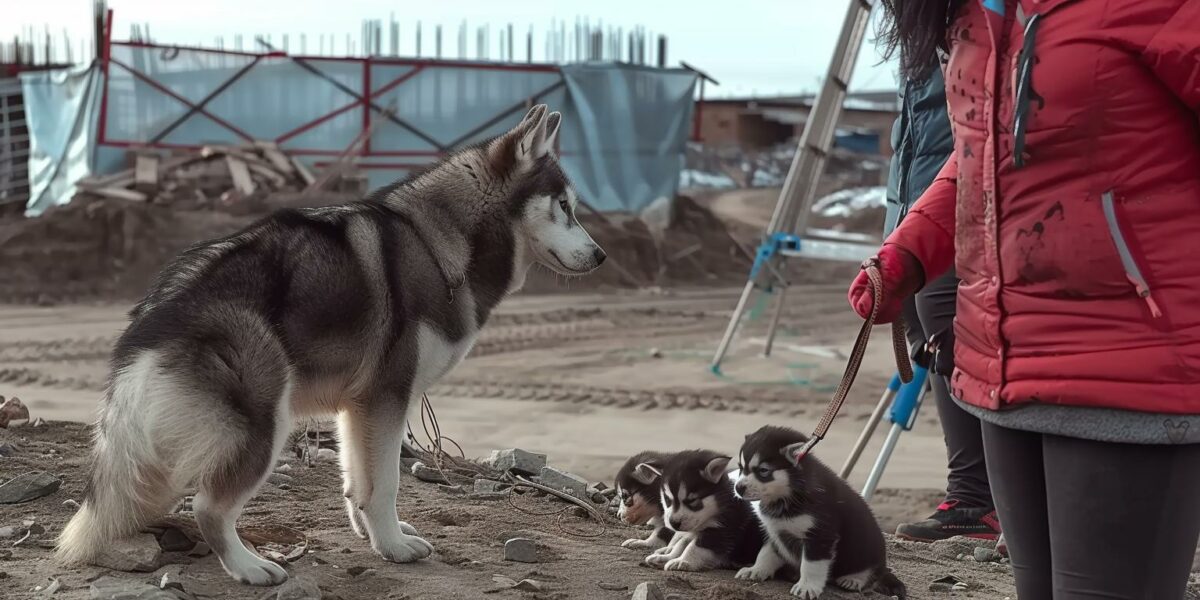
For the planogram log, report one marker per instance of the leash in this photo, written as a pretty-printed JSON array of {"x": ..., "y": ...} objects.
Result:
[{"x": 899, "y": 346}]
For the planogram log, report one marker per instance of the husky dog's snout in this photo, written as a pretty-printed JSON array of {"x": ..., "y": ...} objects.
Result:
[
  {"x": 598, "y": 255},
  {"x": 740, "y": 488}
]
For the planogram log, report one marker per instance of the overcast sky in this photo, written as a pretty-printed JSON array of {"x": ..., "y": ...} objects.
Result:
[{"x": 750, "y": 46}]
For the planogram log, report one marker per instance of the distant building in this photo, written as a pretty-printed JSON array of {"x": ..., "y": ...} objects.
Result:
[{"x": 762, "y": 122}]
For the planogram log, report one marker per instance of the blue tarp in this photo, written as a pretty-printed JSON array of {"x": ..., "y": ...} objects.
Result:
[{"x": 61, "y": 107}]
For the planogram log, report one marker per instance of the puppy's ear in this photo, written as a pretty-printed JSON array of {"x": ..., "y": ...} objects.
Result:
[
  {"x": 793, "y": 453},
  {"x": 715, "y": 469},
  {"x": 647, "y": 473},
  {"x": 553, "y": 122},
  {"x": 517, "y": 150}
]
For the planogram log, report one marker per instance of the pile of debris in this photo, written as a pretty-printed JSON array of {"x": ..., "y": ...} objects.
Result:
[{"x": 238, "y": 179}]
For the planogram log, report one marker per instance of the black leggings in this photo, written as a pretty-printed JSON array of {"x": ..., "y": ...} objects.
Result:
[
  {"x": 930, "y": 313},
  {"x": 1095, "y": 520}
]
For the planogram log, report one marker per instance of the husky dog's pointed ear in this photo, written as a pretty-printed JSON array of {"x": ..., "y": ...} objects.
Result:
[
  {"x": 553, "y": 121},
  {"x": 715, "y": 469},
  {"x": 518, "y": 149},
  {"x": 647, "y": 473}
]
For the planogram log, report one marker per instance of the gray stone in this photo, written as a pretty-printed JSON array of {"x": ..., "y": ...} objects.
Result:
[
  {"x": 173, "y": 540},
  {"x": 29, "y": 486},
  {"x": 561, "y": 480},
  {"x": 986, "y": 555},
  {"x": 521, "y": 550},
  {"x": 426, "y": 473},
  {"x": 53, "y": 588},
  {"x": 489, "y": 486},
  {"x": 137, "y": 553},
  {"x": 278, "y": 478},
  {"x": 111, "y": 588},
  {"x": 528, "y": 585},
  {"x": 7, "y": 450},
  {"x": 296, "y": 588},
  {"x": 69, "y": 503},
  {"x": 326, "y": 454},
  {"x": 518, "y": 461},
  {"x": 647, "y": 591},
  {"x": 7, "y": 532}
]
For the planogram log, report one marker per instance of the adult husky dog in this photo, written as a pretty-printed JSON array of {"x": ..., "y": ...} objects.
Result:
[{"x": 352, "y": 310}]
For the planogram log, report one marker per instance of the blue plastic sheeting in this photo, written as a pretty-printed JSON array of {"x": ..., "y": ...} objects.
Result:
[
  {"x": 624, "y": 127},
  {"x": 624, "y": 132},
  {"x": 60, "y": 112}
]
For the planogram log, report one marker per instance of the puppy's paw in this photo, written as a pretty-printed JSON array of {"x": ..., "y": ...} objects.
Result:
[
  {"x": 752, "y": 574},
  {"x": 854, "y": 583},
  {"x": 408, "y": 529},
  {"x": 657, "y": 560},
  {"x": 808, "y": 590},
  {"x": 679, "y": 564},
  {"x": 405, "y": 549},
  {"x": 637, "y": 544}
]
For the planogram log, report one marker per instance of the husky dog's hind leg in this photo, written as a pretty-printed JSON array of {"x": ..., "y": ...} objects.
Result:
[{"x": 371, "y": 433}]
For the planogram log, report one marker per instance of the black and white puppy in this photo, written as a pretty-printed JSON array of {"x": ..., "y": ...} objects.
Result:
[
  {"x": 638, "y": 494},
  {"x": 814, "y": 520},
  {"x": 698, "y": 501}
]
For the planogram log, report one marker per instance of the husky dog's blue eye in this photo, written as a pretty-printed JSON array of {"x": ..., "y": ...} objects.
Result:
[
  {"x": 566, "y": 208},
  {"x": 693, "y": 504}
]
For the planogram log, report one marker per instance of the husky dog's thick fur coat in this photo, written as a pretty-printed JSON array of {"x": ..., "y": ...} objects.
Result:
[
  {"x": 638, "y": 494},
  {"x": 718, "y": 529},
  {"x": 814, "y": 521},
  {"x": 353, "y": 310}
]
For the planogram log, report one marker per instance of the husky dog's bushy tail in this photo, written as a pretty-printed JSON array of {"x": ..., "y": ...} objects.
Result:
[{"x": 177, "y": 413}]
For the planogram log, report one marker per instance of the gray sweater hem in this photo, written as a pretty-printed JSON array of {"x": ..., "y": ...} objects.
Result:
[{"x": 1098, "y": 424}]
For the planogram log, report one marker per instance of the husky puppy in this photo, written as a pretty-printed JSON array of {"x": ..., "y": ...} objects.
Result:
[
  {"x": 815, "y": 522},
  {"x": 638, "y": 494},
  {"x": 698, "y": 501},
  {"x": 351, "y": 310}
]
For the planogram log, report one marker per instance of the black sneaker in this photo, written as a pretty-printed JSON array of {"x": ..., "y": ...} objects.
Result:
[{"x": 950, "y": 521}]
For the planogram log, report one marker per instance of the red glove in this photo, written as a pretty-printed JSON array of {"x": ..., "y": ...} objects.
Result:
[{"x": 902, "y": 277}]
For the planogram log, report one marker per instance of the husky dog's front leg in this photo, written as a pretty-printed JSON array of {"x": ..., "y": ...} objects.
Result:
[
  {"x": 765, "y": 566},
  {"x": 659, "y": 538},
  {"x": 372, "y": 434},
  {"x": 814, "y": 567},
  {"x": 694, "y": 558},
  {"x": 671, "y": 551}
]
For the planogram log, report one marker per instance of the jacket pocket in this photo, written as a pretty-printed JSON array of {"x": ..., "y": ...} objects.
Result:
[{"x": 1133, "y": 271}]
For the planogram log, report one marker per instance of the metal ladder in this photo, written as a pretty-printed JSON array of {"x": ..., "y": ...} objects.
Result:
[{"x": 788, "y": 236}]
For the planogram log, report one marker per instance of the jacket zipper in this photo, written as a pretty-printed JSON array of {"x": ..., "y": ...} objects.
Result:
[{"x": 1132, "y": 271}]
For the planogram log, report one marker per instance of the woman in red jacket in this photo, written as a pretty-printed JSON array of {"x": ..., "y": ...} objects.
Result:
[{"x": 1069, "y": 208}]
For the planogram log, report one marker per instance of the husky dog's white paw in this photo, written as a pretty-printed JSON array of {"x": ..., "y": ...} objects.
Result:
[
  {"x": 408, "y": 529},
  {"x": 679, "y": 564},
  {"x": 657, "y": 560},
  {"x": 254, "y": 570},
  {"x": 637, "y": 544},
  {"x": 663, "y": 550},
  {"x": 405, "y": 549},
  {"x": 357, "y": 520},
  {"x": 808, "y": 590},
  {"x": 752, "y": 574}
]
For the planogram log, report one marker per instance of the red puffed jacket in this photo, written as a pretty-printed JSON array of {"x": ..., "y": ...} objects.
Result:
[{"x": 1071, "y": 205}]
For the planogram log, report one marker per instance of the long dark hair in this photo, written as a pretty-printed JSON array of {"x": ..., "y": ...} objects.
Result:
[{"x": 916, "y": 29}]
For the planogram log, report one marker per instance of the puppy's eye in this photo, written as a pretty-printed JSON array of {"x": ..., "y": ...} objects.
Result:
[
  {"x": 693, "y": 504},
  {"x": 764, "y": 471},
  {"x": 566, "y": 208}
]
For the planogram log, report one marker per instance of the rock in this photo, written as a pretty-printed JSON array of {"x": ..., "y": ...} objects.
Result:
[
  {"x": 326, "y": 454},
  {"x": 647, "y": 591},
  {"x": 200, "y": 549},
  {"x": 489, "y": 486},
  {"x": 138, "y": 553},
  {"x": 283, "y": 468},
  {"x": 7, "y": 450},
  {"x": 528, "y": 585},
  {"x": 280, "y": 478},
  {"x": 111, "y": 588},
  {"x": 430, "y": 474},
  {"x": 29, "y": 486},
  {"x": 986, "y": 555},
  {"x": 561, "y": 480},
  {"x": 656, "y": 353},
  {"x": 521, "y": 550},
  {"x": 948, "y": 583},
  {"x": 13, "y": 412},
  {"x": 295, "y": 588},
  {"x": 8, "y": 532},
  {"x": 356, "y": 571},
  {"x": 69, "y": 503},
  {"x": 516, "y": 460},
  {"x": 53, "y": 588},
  {"x": 453, "y": 490},
  {"x": 173, "y": 540}
]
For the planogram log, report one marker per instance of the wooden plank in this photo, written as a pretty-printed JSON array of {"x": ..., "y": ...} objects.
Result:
[
  {"x": 272, "y": 175},
  {"x": 240, "y": 173},
  {"x": 119, "y": 193},
  {"x": 275, "y": 157},
  {"x": 303, "y": 171},
  {"x": 145, "y": 173}
]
